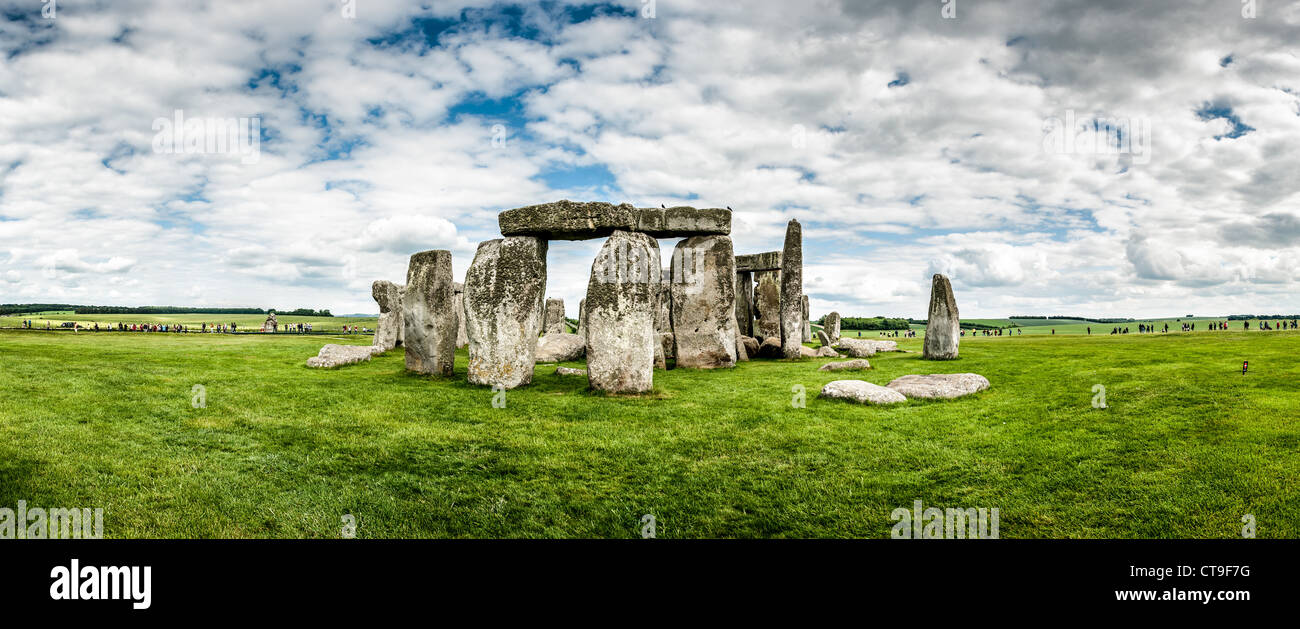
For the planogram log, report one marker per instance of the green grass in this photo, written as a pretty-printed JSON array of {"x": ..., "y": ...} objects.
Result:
[
  {"x": 1074, "y": 326},
  {"x": 1186, "y": 448},
  {"x": 247, "y": 322}
]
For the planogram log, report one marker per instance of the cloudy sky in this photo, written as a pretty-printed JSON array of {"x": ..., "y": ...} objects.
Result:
[{"x": 1096, "y": 158}]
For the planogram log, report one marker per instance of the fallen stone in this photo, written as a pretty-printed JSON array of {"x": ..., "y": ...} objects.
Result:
[
  {"x": 943, "y": 328},
  {"x": 823, "y": 338},
  {"x": 807, "y": 352},
  {"x": 857, "y": 348},
  {"x": 860, "y": 363},
  {"x": 504, "y": 289},
  {"x": 751, "y": 345},
  {"x": 826, "y": 351},
  {"x": 939, "y": 385},
  {"x": 560, "y": 347},
  {"x": 428, "y": 314},
  {"x": 574, "y": 220},
  {"x": 333, "y": 355},
  {"x": 570, "y": 371},
  {"x": 861, "y": 392},
  {"x": 389, "y": 328},
  {"x": 704, "y": 302},
  {"x": 770, "y": 348},
  {"x": 622, "y": 296},
  {"x": 742, "y": 354}
]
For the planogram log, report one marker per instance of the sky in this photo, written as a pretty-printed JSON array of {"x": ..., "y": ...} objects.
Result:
[{"x": 1100, "y": 158}]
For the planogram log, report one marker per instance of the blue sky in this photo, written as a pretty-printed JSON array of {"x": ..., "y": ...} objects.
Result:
[{"x": 906, "y": 143}]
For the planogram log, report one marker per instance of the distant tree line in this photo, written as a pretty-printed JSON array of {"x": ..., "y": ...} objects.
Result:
[
  {"x": 1243, "y": 317},
  {"x": 869, "y": 323},
  {"x": 6, "y": 309},
  {"x": 1111, "y": 320}
]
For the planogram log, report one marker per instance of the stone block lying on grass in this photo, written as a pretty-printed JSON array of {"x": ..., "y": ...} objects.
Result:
[
  {"x": 334, "y": 355},
  {"x": 860, "y": 363},
  {"x": 939, "y": 385},
  {"x": 861, "y": 392},
  {"x": 857, "y": 348},
  {"x": 826, "y": 351},
  {"x": 570, "y": 371},
  {"x": 558, "y": 347}
]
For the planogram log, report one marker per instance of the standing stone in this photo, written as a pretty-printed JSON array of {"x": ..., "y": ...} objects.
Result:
[
  {"x": 664, "y": 309},
  {"x": 704, "y": 302},
  {"x": 582, "y": 318},
  {"x": 767, "y": 305},
  {"x": 462, "y": 337},
  {"x": 555, "y": 323},
  {"x": 622, "y": 295},
  {"x": 389, "y": 297},
  {"x": 943, "y": 329},
  {"x": 823, "y": 338},
  {"x": 792, "y": 290},
  {"x": 831, "y": 324},
  {"x": 504, "y": 291},
  {"x": 428, "y": 315},
  {"x": 807, "y": 325},
  {"x": 745, "y": 303}
]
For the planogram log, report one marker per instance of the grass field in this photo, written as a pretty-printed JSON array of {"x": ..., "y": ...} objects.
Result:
[
  {"x": 1026, "y": 327},
  {"x": 248, "y": 322},
  {"x": 1186, "y": 447}
]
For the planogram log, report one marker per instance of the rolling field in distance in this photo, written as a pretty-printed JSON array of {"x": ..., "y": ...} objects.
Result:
[{"x": 243, "y": 321}]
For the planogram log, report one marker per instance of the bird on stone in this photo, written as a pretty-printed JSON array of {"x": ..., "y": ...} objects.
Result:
[
  {"x": 663, "y": 206},
  {"x": 729, "y": 209}
]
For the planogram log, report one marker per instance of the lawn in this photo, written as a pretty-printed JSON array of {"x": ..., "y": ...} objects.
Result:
[{"x": 1186, "y": 447}]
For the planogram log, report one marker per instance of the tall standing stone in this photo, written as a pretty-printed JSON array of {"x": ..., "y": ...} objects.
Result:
[
  {"x": 664, "y": 309},
  {"x": 831, "y": 324},
  {"x": 767, "y": 305},
  {"x": 622, "y": 296},
  {"x": 943, "y": 329},
  {"x": 428, "y": 314},
  {"x": 745, "y": 303},
  {"x": 792, "y": 290},
  {"x": 462, "y": 337},
  {"x": 807, "y": 325},
  {"x": 504, "y": 291},
  {"x": 389, "y": 328},
  {"x": 555, "y": 323},
  {"x": 704, "y": 302},
  {"x": 582, "y": 318}
]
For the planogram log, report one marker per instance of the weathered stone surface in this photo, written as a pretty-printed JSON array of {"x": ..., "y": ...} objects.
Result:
[
  {"x": 861, "y": 392},
  {"x": 771, "y": 348},
  {"x": 823, "y": 338},
  {"x": 582, "y": 318},
  {"x": 827, "y": 351},
  {"x": 881, "y": 346},
  {"x": 661, "y": 362},
  {"x": 943, "y": 329},
  {"x": 831, "y": 325},
  {"x": 504, "y": 289},
  {"x": 860, "y": 363},
  {"x": 428, "y": 314},
  {"x": 558, "y": 347},
  {"x": 462, "y": 336},
  {"x": 389, "y": 328},
  {"x": 792, "y": 290},
  {"x": 807, "y": 325},
  {"x": 333, "y": 355},
  {"x": 621, "y": 298},
  {"x": 704, "y": 302},
  {"x": 574, "y": 220},
  {"x": 807, "y": 352},
  {"x": 666, "y": 344},
  {"x": 554, "y": 322},
  {"x": 742, "y": 354},
  {"x": 664, "y": 306},
  {"x": 745, "y": 303},
  {"x": 570, "y": 371},
  {"x": 751, "y": 345},
  {"x": 939, "y": 385},
  {"x": 767, "y": 305},
  {"x": 857, "y": 348},
  {"x": 766, "y": 261}
]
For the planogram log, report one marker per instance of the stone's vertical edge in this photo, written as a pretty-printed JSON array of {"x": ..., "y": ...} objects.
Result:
[
  {"x": 832, "y": 326},
  {"x": 554, "y": 322},
  {"x": 767, "y": 305},
  {"x": 388, "y": 331},
  {"x": 807, "y": 324},
  {"x": 458, "y": 308},
  {"x": 504, "y": 292},
  {"x": 943, "y": 327},
  {"x": 703, "y": 292},
  {"x": 745, "y": 303},
  {"x": 427, "y": 314},
  {"x": 621, "y": 298},
  {"x": 792, "y": 290},
  {"x": 582, "y": 317}
]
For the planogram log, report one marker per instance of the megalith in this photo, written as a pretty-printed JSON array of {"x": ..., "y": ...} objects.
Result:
[
  {"x": 745, "y": 303},
  {"x": 831, "y": 324},
  {"x": 504, "y": 291},
  {"x": 703, "y": 292},
  {"x": 943, "y": 328},
  {"x": 389, "y": 328},
  {"x": 582, "y": 318},
  {"x": 807, "y": 325},
  {"x": 622, "y": 295},
  {"x": 428, "y": 315},
  {"x": 462, "y": 337},
  {"x": 555, "y": 323},
  {"x": 792, "y": 290},
  {"x": 767, "y": 305}
]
